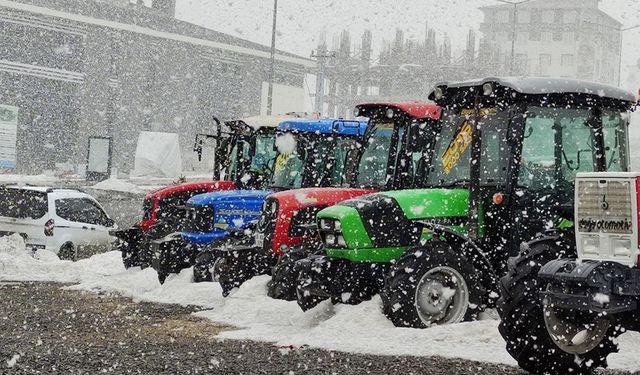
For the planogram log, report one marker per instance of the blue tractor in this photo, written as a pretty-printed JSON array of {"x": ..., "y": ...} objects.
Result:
[{"x": 307, "y": 153}]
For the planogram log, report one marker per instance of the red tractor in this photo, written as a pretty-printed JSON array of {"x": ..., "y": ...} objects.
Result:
[
  {"x": 234, "y": 167},
  {"x": 287, "y": 219}
]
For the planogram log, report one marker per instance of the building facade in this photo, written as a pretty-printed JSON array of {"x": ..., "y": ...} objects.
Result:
[
  {"x": 77, "y": 69},
  {"x": 559, "y": 38}
]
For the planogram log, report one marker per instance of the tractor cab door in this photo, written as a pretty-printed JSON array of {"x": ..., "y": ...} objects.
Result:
[{"x": 557, "y": 143}]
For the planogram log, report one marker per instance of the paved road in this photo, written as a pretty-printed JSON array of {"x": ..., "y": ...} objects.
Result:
[{"x": 44, "y": 329}]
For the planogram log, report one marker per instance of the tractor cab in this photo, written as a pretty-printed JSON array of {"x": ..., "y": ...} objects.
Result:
[
  {"x": 516, "y": 145},
  {"x": 398, "y": 144}
]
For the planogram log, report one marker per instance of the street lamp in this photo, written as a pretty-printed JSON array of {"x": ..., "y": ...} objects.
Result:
[
  {"x": 273, "y": 59},
  {"x": 513, "y": 29}
]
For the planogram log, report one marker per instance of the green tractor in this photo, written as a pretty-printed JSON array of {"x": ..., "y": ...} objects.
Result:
[{"x": 502, "y": 171}]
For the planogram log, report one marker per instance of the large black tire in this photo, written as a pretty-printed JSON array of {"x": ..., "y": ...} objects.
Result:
[
  {"x": 234, "y": 269},
  {"x": 306, "y": 300},
  {"x": 129, "y": 259},
  {"x": 400, "y": 293},
  {"x": 67, "y": 252},
  {"x": 202, "y": 267},
  {"x": 162, "y": 276},
  {"x": 521, "y": 310},
  {"x": 284, "y": 275}
]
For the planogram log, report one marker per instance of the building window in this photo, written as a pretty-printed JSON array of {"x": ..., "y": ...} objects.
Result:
[
  {"x": 546, "y": 36},
  {"x": 570, "y": 16},
  {"x": 545, "y": 59},
  {"x": 569, "y": 38},
  {"x": 557, "y": 36},
  {"x": 566, "y": 60},
  {"x": 558, "y": 17},
  {"x": 536, "y": 17},
  {"x": 502, "y": 16},
  {"x": 535, "y": 35},
  {"x": 548, "y": 16},
  {"x": 522, "y": 63}
]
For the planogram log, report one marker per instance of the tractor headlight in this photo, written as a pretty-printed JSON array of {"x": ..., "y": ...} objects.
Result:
[
  {"x": 325, "y": 224},
  {"x": 330, "y": 239},
  {"x": 273, "y": 208},
  {"x": 341, "y": 241}
]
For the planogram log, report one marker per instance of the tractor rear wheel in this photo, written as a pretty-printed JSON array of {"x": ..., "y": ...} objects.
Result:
[
  {"x": 432, "y": 284},
  {"x": 542, "y": 338}
]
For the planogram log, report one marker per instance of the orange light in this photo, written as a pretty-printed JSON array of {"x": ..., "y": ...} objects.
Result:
[{"x": 498, "y": 198}]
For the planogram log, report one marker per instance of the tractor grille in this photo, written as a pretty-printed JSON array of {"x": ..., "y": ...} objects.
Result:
[
  {"x": 267, "y": 224},
  {"x": 199, "y": 219},
  {"x": 605, "y": 207}
]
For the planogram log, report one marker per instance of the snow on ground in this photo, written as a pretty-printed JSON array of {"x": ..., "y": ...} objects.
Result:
[{"x": 360, "y": 329}]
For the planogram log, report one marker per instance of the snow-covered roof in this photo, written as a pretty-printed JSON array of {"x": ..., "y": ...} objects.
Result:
[
  {"x": 257, "y": 122},
  {"x": 541, "y": 86}
]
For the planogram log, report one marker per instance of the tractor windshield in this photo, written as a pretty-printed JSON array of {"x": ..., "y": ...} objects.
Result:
[
  {"x": 560, "y": 142},
  {"x": 374, "y": 161},
  {"x": 256, "y": 161},
  {"x": 313, "y": 160},
  {"x": 452, "y": 159}
]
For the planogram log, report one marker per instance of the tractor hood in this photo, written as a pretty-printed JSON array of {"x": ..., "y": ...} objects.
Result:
[
  {"x": 230, "y": 198},
  {"x": 431, "y": 203},
  {"x": 386, "y": 220},
  {"x": 310, "y": 197}
]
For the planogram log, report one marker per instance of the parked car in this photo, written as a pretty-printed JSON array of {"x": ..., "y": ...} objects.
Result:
[{"x": 67, "y": 222}]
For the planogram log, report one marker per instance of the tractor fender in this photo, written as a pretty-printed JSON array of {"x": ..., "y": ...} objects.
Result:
[{"x": 471, "y": 251}]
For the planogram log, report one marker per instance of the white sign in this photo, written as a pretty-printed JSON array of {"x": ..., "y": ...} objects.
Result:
[
  {"x": 285, "y": 99},
  {"x": 99, "y": 155},
  {"x": 8, "y": 136}
]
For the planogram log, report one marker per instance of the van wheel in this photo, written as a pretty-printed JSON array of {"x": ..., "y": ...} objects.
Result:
[{"x": 67, "y": 252}]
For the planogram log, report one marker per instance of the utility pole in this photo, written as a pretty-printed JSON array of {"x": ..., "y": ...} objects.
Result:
[
  {"x": 273, "y": 59},
  {"x": 322, "y": 55},
  {"x": 514, "y": 31}
]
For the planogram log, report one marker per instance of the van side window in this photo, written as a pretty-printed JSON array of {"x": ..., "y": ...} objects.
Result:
[
  {"x": 81, "y": 210},
  {"x": 23, "y": 203}
]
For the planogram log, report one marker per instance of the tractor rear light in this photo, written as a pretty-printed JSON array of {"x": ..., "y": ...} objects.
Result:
[
  {"x": 48, "y": 228},
  {"x": 498, "y": 198}
]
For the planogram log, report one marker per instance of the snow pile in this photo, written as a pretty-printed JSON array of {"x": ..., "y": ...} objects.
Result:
[
  {"x": 17, "y": 263},
  {"x": 359, "y": 329},
  {"x": 158, "y": 155},
  {"x": 114, "y": 184}
]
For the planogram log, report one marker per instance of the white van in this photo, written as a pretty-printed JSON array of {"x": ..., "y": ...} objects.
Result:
[{"x": 65, "y": 221}]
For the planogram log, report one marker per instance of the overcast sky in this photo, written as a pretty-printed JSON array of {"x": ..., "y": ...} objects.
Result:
[{"x": 301, "y": 22}]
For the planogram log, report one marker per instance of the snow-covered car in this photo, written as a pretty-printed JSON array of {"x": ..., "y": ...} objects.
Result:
[{"x": 67, "y": 222}]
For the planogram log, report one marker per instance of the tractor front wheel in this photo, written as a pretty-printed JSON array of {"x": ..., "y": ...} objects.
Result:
[
  {"x": 544, "y": 339},
  {"x": 284, "y": 275},
  {"x": 205, "y": 262},
  {"x": 432, "y": 284}
]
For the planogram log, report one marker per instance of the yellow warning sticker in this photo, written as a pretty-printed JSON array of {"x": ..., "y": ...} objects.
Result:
[
  {"x": 281, "y": 160},
  {"x": 457, "y": 147},
  {"x": 384, "y": 125}
]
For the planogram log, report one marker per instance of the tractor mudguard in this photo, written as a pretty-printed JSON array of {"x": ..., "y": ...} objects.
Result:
[
  {"x": 472, "y": 252},
  {"x": 588, "y": 285}
]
